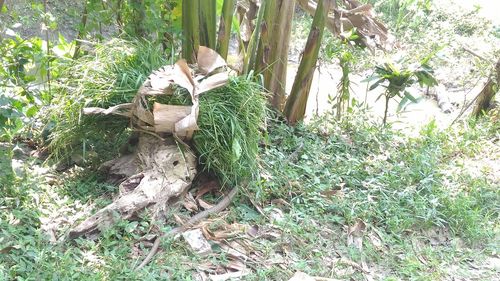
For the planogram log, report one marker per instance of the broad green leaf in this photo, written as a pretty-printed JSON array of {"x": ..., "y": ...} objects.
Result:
[
  {"x": 376, "y": 84},
  {"x": 236, "y": 150},
  {"x": 403, "y": 103},
  {"x": 410, "y": 97}
]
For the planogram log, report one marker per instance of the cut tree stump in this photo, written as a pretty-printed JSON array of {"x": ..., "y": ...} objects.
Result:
[
  {"x": 485, "y": 97},
  {"x": 157, "y": 172}
]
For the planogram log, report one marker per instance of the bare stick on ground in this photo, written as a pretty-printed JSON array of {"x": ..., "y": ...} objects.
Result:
[{"x": 194, "y": 220}]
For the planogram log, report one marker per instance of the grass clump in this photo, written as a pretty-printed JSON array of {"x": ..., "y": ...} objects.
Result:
[
  {"x": 108, "y": 76},
  {"x": 230, "y": 117},
  {"x": 230, "y": 120}
]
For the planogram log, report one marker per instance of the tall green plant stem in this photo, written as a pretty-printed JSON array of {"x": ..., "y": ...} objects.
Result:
[
  {"x": 295, "y": 107},
  {"x": 190, "y": 29},
  {"x": 224, "y": 34},
  {"x": 47, "y": 39},
  {"x": 81, "y": 31},
  {"x": 265, "y": 28},
  {"x": 207, "y": 10},
  {"x": 139, "y": 11},
  {"x": 251, "y": 54},
  {"x": 387, "y": 98}
]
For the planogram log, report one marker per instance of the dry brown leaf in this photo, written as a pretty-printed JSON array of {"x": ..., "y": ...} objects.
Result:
[
  {"x": 333, "y": 193},
  {"x": 212, "y": 82},
  {"x": 7, "y": 249},
  {"x": 204, "y": 204},
  {"x": 209, "y": 60},
  {"x": 236, "y": 265},
  {"x": 353, "y": 264},
  {"x": 183, "y": 76},
  {"x": 189, "y": 203},
  {"x": 229, "y": 275},
  {"x": 178, "y": 219},
  {"x": 207, "y": 187},
  {"x": 355, "y": 234},
  {"x": 376, "y": 241},
  {"x": 121, "y": 109},
  {"x": 301, "y": 276},
  {"x": 197, "y": 241},
  {"x": 166, "y": 116}
]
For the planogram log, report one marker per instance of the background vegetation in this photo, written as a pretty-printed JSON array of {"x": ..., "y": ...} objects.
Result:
[{"x": 429, "y": 200}]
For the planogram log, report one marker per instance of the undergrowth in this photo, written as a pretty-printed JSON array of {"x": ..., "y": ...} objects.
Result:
[
  {"x": 109, "y": 76},
  {"x": 330, "y": 173},
  {"x": 397, "y": 183}
]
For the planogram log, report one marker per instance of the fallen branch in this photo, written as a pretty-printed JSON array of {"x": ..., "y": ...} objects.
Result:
[
  {"x": 192, "y": 221},
  {"x": 476, "y": 54}
]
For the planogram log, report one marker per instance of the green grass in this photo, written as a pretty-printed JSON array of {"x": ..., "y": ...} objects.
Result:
[
  {"x": 230, "y": 122},
  {"x": 409, "y": 190},
  {"x": 109, "y": 76}
]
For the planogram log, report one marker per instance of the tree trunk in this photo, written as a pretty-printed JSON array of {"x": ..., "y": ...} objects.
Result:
[
  {"x": 224, "y": 34},
  {"x": 262, "y": 59},
  {"x": 119, "y": 22},
  {"x": 275, "y": 56},
  {"x": 295, "y": 106},
  {"x": 139, "y": 17},
  {"x": 484, "y": 98},
  {"x": 167, "y": 36},
  {"x": 251, "y": 54}
]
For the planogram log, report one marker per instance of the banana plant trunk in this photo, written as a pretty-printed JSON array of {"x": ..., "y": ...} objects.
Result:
[
  {"x": 190, "y": 29},
  {"x": 249, "y": 62},
  {"x": 295, "y": 107},
  {"x": 81, "y": 32},
  {"x": 207, "y": 22},
  {"x": 224, "y": 34},
  {"x": 273, "y": 51}
]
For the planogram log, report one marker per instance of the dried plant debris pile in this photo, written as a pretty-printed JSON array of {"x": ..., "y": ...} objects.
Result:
[
  {"x": 222, "y": 116},
  {"x": 230, "y": 123},
  {"x": 181, "y": 101}
]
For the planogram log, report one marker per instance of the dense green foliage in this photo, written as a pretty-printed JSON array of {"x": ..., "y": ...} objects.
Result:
[
  {"x": 230, "y": 121},
  {"x": 109, "y": 76},
  {"x": 430, "y": 199}
]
